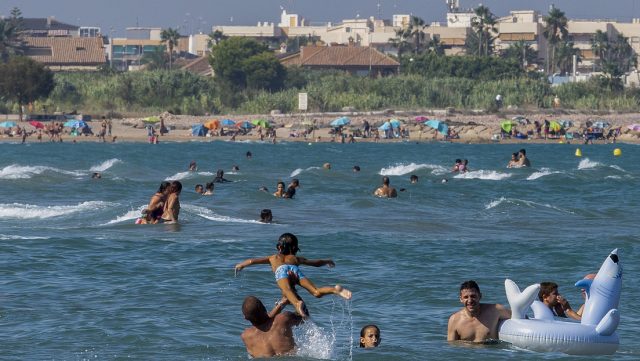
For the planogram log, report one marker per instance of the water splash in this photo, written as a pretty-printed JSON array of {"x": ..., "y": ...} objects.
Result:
[
  {"x": 588, "y": 164},
  {"x": 402, "y": 169},
  {"x": 179, "y": 176},
  {"x": 8, "y": 237},
  {"x": 105, "y": 165},
  {"x": 483, "y": 174},
  {"x": 314, "y": 341},
  {"x": 130, "y": 215},
  {"x": 541, "y": 173},
  {"x": 29, "y": 211},
  {"x": 521, "y": 202},
  {"x": 211, "y": 215},
  {"x": 300, "y": 170},
  {"x": 16, "y": 171}
]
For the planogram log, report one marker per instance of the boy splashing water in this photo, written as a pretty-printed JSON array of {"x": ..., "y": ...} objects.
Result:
[{"x": 285, "y": 264}]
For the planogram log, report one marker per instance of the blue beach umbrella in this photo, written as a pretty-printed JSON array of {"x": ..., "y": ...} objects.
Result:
[
  {"x": 395, "y": 123},
  {"x": 75, "y": 124},
  {"x": 8, "y": 124},
  {"x": 438, "y": 125},
  {"x": 385, "y": 126},
  {"x": 227, "y": 122},
  {"x": 245, "y": 125},
  {"x": 340, "y": 122}
]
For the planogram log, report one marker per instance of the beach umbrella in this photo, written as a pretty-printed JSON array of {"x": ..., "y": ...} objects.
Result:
[
  {"x": 601, "y": 124},
  {"x": 507, "y": 125},
  {"x": 227, "y": 122},
  {"x": 634, "y": 127},
  {"x": 260, "y": 123},
  {"x": 421, "y": 118},
  {"x": 36, "y": 124},
  {"x": 438, "y": 125},
  {"x": 198, "y": 130},
  {"x": 555, "y": 126},
  {"x": 385, "y": 126},
  {"x": 8, "y": 124},
  {"x": 245, "y": 125},
  {"x": 152, "y": 119},
  {"x": 395, "y": 123},
  {"x": 212, "y": 124},
  {"x": 340, "y": 122},
  {"x": 75, "y": 124},
  {"x": 566, "y": 123}
]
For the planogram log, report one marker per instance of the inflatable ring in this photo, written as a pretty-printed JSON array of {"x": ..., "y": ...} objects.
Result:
[{"x": 596, "y": 332}]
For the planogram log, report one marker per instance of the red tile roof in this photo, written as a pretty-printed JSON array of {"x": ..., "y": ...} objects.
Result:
[
  {"x": 343, "y": 56},
  {"x": 66, "y": 51}
]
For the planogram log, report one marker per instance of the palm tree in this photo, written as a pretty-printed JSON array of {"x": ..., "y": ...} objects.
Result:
[
  {"x": 522, "y": 52},
  {"x": 170, "y": 38},
  {"x": 483, "y": 24},
  {"x": 555, "y": 29},
  {"x": 435, "y": 46},
  {"x": 599, "y": 45},
  {"x": 401, "y": 41},
  {"x": 215, "y": 37},
  {"x": 564, "y": 56},
  {"x": 415, "y": 30}
]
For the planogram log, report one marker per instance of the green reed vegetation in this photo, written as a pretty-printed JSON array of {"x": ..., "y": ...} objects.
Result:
[{"x": 181, "y": 92}]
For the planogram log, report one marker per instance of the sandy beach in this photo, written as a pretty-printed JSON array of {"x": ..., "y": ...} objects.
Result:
[{"x": 471, "y": 128}]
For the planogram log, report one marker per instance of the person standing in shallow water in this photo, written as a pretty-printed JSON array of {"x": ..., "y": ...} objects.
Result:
[{"x": 172, "y": 205}]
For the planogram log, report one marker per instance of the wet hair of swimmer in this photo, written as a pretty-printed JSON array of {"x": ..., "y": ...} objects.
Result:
[
  {"x": 96, "y": 175},
  {"x": 288, "y": 244},
  {"x": 363, "y": 332},
  {"x": 356, "y": 168},
  {"x": 413, "y": 178},
  {"x": 266, "y": 216},
  {"x": 163, "y": 186},
  {"x": 209, "y": 186},
  {"x": 199, "y": 188}
]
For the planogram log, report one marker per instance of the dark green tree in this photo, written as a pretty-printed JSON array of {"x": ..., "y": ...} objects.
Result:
[
  {"x": 215, "y": 37},
  {"x": 521, "y": 52},
  {"x": 555, "y": 31},
  {"x": 170, "y": 38},
  {"x": 239, "y": 63},
  {"x": 157, "y": 59},
  {"x": 484, "y": 26},
  {"x": 564, "y": 53},
  {"x": 10, "y": 39},
  {"x": 24, "y": 81}
]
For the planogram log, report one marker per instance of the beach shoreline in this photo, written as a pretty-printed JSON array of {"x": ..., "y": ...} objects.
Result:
[{"x": 472, "y": 128}]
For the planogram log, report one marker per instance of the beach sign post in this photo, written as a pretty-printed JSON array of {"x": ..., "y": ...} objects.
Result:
[{"x": 302, "y": 101}]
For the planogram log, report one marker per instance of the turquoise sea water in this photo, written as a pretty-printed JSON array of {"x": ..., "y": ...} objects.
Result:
[{"x": 80, "y": 281}]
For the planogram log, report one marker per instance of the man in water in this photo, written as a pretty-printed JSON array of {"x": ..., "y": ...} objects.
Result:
[
  {"x": 385, "y": 191},
  {"x": 271, "y": 333},
  {"x": 523, "y": 161},
  {"x": 291, "y": 190},
  {"x": 475, "y": 322}
]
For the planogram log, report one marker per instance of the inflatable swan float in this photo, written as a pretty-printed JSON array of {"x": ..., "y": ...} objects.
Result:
[{"x": 596, "y": 332}]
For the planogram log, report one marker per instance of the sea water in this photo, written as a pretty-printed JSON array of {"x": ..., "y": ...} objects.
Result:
[{"x": 80, "y": 281}]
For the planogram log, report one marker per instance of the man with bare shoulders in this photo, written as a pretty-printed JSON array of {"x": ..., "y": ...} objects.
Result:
[
  {"x": 475, "y": 322},
  {"x": 385, "y": 191},
  {"x": 271, "y": 333}
]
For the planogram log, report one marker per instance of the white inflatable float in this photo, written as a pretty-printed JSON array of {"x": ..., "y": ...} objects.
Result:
[{"x": 596, "y": 332}]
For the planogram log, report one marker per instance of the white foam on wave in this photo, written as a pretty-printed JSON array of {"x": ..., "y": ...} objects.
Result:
[
  {"x": 613, "y": 177},
  {"x": 520, "y": 202},
  {"x": 9, "y": 237},
  {"x": 617, "y": 167},
  {"x": 402, "y": 169},
  {"x": 314, "y": 341},
  {"x": 300, "y": 170},
  {"x": 15, "y": 171},
  {"x": 588, "y": 164},
  {"x": 483, "y": 174},
  {"x": 130, "y": 215},
  {"x": 211, "y": 215},
  {"x": 105, "y": 165},
  {"x": 541, "y": 173},
  {"x": 179, "y": 176},
  {"x": 29, "y": 211}
]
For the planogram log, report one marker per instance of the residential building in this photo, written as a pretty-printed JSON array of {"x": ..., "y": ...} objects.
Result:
[
  {"x": 65, "y": 53},
  {"x": 45, "y": 27},
  {"x": 360, "y": 60}
]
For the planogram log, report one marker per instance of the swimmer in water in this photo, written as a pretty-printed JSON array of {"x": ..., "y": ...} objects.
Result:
[
  {"x": 266, "y": 216},
  {"x": 220, "y": 177},
  {"x": 356, "y": 168},
  {"x": 235, "y": 168},
  {"x": 285, "y": 264},
  {"x": 279, "y": 193},
  {"x": 370, "y": 336},
  {"x": 208, "y": 189},
  {"x": 413, "y": 179},
  {"x": 193, "y": 166},
  {"x": 326, "y": 166},
  {"x": 96, "y": 175},
  {"x": 249, "y": 155},
  {"x": 385, "y": 191}
]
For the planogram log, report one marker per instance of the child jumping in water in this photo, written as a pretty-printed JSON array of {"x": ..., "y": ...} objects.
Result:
[{"x": 285, "y": 266}]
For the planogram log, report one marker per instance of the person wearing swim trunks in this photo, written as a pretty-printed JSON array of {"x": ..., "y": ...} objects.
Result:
[
  {"x": 285, "y": 266},
  {"x": 475, "y": 322}
]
